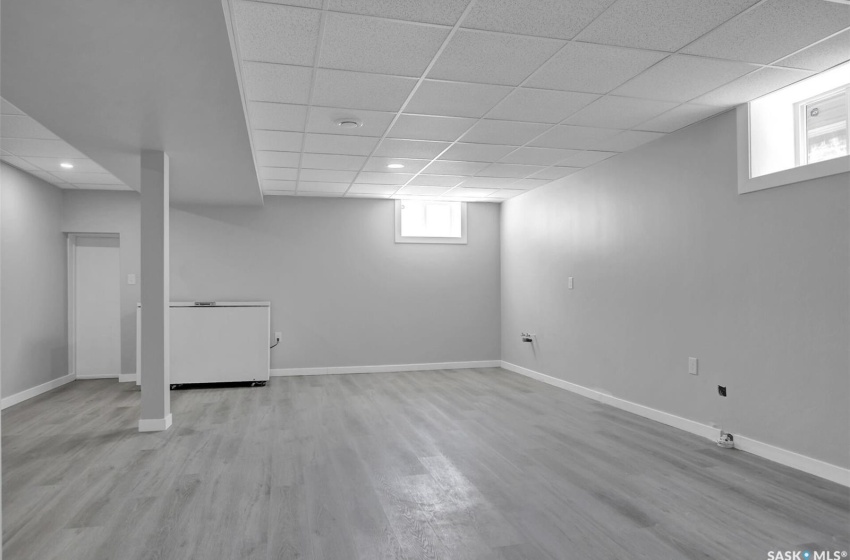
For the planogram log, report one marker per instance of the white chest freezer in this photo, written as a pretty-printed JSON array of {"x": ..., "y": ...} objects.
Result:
[{"x": 215, "y": 342}]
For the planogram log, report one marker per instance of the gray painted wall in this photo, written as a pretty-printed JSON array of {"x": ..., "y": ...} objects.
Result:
[
  {"x": 33, "y": 287},
  {"x": 112, "y": 212},
  {"x": 343, "y": 292},
  {"x": 670, "y": 262}
]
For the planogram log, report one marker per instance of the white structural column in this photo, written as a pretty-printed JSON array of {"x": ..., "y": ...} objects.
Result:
[{"x": 155, "y": 352}]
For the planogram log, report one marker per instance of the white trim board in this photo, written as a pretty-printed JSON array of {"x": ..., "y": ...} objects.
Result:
[
  {"x": 154, "y": 424},
  {"x": 809, "y": 465},
  {"x": 104, "y": 376},
  {"x": 126, "y": 377},
  {"x": 289, "y": 372},
  {"x": 12, "y": 400}
]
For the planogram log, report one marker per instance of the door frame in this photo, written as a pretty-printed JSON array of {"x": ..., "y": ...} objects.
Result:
[{"x": 72, "y": 291}]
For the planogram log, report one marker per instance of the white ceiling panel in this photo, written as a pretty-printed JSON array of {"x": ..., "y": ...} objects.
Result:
[
  {"x": 823, "y": 55},
  {"x": 772, "y": 30},
  {"x": 628, "y": 140},
  {"x": 276, "y": 82},
  {"x": 552, "y": 173},
  {"x": 315, "y": 187},
  {"x": 272, "y": 192},
  {"x": 536, "y": 156},
  {"x": 327, "y": 175},
  {"x": 274, "y": 185},
  {"x": 338, "y": 144},
  {"x": 276, "y": 140},
  {"x": 54, "y": 164},
  {"x": 410, "y": 165},
  {"x": 18, "y": 162},
  {"x": 350, "y": 194},
  {"x": 679, "y": 117},
  {"x": 279, "y": 173},
  {"x": 592, "y": 68},
  {"x": 619, "y": 112},
  {"x": 428, "y": 127},
  {"x": 543, "y": 18},
  {"x": 505, "y": 194},
  {"x": 574, "y": 137},
  {"x": 332, "y": 161},
  {"x": 7, "y": 108},
  {"x": 372, "y": 189},
  {"x": 488, "y": 182},
  {"x": 682, "y": 77},
  {"x": 368, "y": 44},
  {"x": 89, "y": 178},
  {"x": 440, "y": 167},
  {"x": 95, "y": 187},
  {"x": 587, "y": 158},
  {"x": 277, "y": 159},
  {"x": 276, "y": 33},
  {"x": 503, "y": 132},
  {"x": 455, "y": 99},
  {"x": 320, "y": 194},
  {"x": 355, "y": 90},
  {"x": 509, "y": 170},
  {"x": 540, "y": 105},
  {"x": 529, "y": 183},
  {"x": 464, "y": 192},
  {"x": 22, "y": 126},
  {"x": 476, "y": 152},
  {"x": 375, "y": 178},
  {"x": 422, "y": 191},
  {"x": 664, "y": 25},
  {"x": 53, "y": 179},
  {"x": 324, "y": 120},
  {"x": 445, "y": 12},
  {"x": 492, "y": 58},
  {"x": 277, "y": 116},
  {"x": 413, "y": 149},
  {"x": 24, "y": 147},
  {"x": 437, "y": 180},
  {"x": 752, "y": 85}
]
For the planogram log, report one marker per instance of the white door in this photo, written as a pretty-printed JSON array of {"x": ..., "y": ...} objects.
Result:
[{"x": 96, "y": 307}]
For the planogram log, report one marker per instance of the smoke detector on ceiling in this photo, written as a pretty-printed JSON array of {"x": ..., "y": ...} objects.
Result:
[{"x": 349, "y": 123}]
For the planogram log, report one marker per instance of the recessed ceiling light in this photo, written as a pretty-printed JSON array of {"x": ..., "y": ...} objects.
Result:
[
  {"x": 66, "y": 165},
  {"x": 395, "y": 165},
  {"x": 348, "y": 123}
]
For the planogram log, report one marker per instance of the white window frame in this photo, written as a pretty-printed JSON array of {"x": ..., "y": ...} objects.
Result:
[
  {"x": 399, "y": 238},
  {"x": 800, "y": 129}
]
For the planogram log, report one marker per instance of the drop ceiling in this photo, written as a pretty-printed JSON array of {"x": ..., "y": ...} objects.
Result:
[{"x": 485, "y": 100}]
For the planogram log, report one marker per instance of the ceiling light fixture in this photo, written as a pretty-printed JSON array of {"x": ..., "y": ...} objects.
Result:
[
  {"x": 66, "y": 165},
  {"x": 395, "y": 165},
  {"x": 348, "y": 123}
]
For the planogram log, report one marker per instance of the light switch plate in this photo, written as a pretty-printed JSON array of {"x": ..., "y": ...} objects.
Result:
[
  {"x": 570, "y": 283},
  {"x": 692, "y": 366},
  {"x": 131, "y": 279}
]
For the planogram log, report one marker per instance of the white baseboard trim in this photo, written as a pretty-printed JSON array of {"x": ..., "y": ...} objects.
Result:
[
  {"x": 12, "y": 400},
  {"x": 110, "y": 376},
  {"x": 126, "y": 377},
  {"x": 154, "y": 424},
  {"x": 289, "y": 372},
  {"x": 791, "y": 459}
]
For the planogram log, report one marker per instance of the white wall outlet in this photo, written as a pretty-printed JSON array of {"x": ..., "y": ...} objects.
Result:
[
  {"x": 131, "y": 279},
  {"x": 570, "y": 283},
  {"x": 692, "y": 366},
  {"x": 278, "y": 335}
]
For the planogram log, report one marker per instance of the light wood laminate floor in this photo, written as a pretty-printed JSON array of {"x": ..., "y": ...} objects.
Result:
[{"x": 455, "y": 465}]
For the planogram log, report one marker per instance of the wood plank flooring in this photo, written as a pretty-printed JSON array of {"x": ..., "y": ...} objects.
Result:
[{"x": 454, "y": 465}]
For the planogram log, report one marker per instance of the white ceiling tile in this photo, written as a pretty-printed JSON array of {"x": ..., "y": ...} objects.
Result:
[
  {"x": 592, "y": 68},
  {"x": 679, "y": 117},
  {"x": 552, "y": 173},
  {"x": 476, "y": 152},
  {"x": 414, "y": 149},
  {"x": 437, "y": 180},
  {"x": 587, "y": 158},
  {"x": 275, "y": 185},
  {"x": 52, "y": 179},
  {"x": 276, "y": 33},
  {"x": 7, "y": 108},
  {"x": 504, "y": 194},
  {"x": 375, "y": 178},
  {"x": 440, "y": 167},
  {"x": 356, "y": 90},
  {"x": 277, "y": 159},
  {"x": 55, "y": 164},
  {"x": 324, "y": 120},
  {"x": 574, "y": 137},
  {"x": 315, "y": 187},
  {"x": 492, "y": 58},
  {"x": 445, "y": 12},
  {"x": 543, "y": 18},
  {"x": 350, "y": 194},
  {"x": 753, "y": 85},
  {"x": 509, "y": 170},
  {"x": 319, "y": 194},
  {"x": 273, "y": 192},
  {"x": 326, "y": 175},
  {"x": 489, "y": 182},
  {"x": 372, "y": 189},
  {"x": 24, "y": 147},
  {"x": 277, "y": 140},
  {"x": 22, "y": 126},
  {"x": 18, "y": 162},
  {"x": 422, "y": 191},
  {"x": 619, "y": 112},
  {"x": 90, "y": 178},
  {"x": 529, "y": 183},
  {"x": 628, "y": 140},
  {"x": 682, "y": 77},
  {"x": 772, "y": 30},
  {"x": 304, "y": 3},
  {"x": 367, "y": 44},
  {"x": 540, "y": 105},
  {"x": 279, "y": 173},
  {"x": 276, "y": 82},
  {"x": 277, "y": 116},
  {"x": 96, "y": 187},
  {"x": 536, "y": 156},
  {"x": 664, "y": 25},
  {"x": 464, "y": 192},
  {"x": 503, "y": 132},
  {"x": 332, "y": 161},
  {"x": 455, "y": 99},
  {"x": 428, "y": 127},
  {"x": 337, "y": 144},
  {"x": 823, "y": 55},
  {"x": 410, "y": 165}
]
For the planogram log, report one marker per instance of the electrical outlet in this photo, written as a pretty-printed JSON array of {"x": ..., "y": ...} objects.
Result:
[
  {"x": 131, "y": 279},
  {"x": 570, "y": 283},
  {"x": 692, "y": 366},
  {"x": 278, "y": 335}
]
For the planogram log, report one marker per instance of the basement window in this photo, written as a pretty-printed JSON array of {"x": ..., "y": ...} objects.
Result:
[
  {"x": 430, "y": 221},
  {"x": 822, "y": 127}
]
